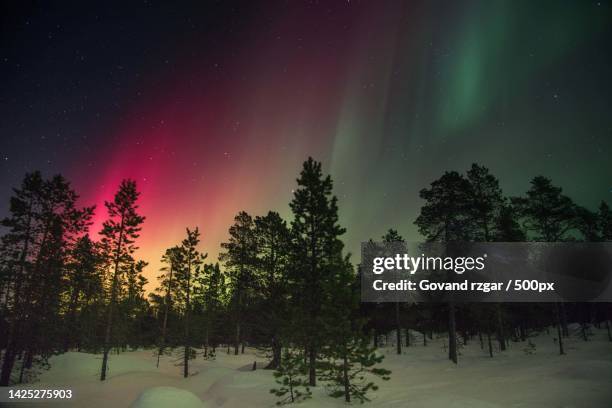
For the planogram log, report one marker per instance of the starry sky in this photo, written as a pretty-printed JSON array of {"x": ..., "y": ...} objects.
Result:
[{"x": 213, "y": 106}]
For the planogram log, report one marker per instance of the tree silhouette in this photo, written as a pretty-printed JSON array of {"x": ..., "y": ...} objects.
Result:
[
  {"x": 119, "y": 233},
  {"x": 446, "y": 217},
  {"x": 273, "y": 246},
  {"x": 393, "y": 236},
  {"x": 316, "y": 249},
  {"x": 172, "y": 259},
  {"x": 239, "y": 260},
  {"x": 44, "y": 224},
  {"x": 189, "y": 273}
]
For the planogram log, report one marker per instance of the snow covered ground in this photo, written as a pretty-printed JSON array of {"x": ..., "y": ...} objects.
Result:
[{"x": 422, "y": 377}]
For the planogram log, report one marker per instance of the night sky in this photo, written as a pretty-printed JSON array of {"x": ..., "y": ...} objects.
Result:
[{"x": 213, "y": 107}]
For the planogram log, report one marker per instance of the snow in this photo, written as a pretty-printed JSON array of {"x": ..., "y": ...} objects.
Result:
[
  {"x": 161, "y": 397},
  {"x": 422, "y": 377}
]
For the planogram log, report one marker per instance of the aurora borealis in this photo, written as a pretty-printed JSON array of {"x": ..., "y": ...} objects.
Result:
[{"x": 213, "y": 107}]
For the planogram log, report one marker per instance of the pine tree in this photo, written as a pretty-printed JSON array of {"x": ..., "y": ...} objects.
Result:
[
  {"x": 187, "y": 275},
  {"x": 605, "y": 221},
  {"x": 85, "y": 284},
  {"x": 446, "y": 217},
  {"x": 119, "y": 233},
  {"x": 17, "y": 255},
  {"x": 550, "y": 216},
  {"x": 349, "y": 356},
  {"x": 43, "y": 225},
  {"x": 133, "y": 305},
  {"x": 393, "y": 236},
  {"x": 349, "y": 372},
  {"x": 173, "y": 261},
  {"x": 210, "y": 298},
  {"x": 239, "y": 259},
  {"x": 588, "y": 224},
  {"x": 290, "y": 375},
  {"x": 605, "y": 229},
  {"x": 486, "y": 202},
  {"x": 316, "y": 247},
  {"x": 487, "y": 207},
  {"x": 273, "y": 245},
  {"x": 546, "y": 212},
  {"x": 507, "y": 229}
]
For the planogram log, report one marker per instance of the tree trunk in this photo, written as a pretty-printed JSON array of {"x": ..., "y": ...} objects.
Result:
[
  {"x": 347, "y": 393},
  {"x": 608, "y": 329},
  {"x": 206, "y": 341},
  {"x": 22, "y": 369},
  {"x": 490, "y": 344},
  {"x": 500, "y": 328},
  {"x": 237, "y": 339},
  {"x": 312, "y": 361},
  {"x": 8, "y": 361},
  {"x": 291, "y": 389},
  {"x": 559, "y": 333},
  {"x": 109, "y": 318},
  {"x": 71, "y": 327},
  {"x": 276, "y": 354},
  {"x": 26, "y": 364},
  {"x": 10, "y": 353},
  {"x": 187, "y": 312},
  {"x": 523, "y": 331},
  {"x": 162, "y": 344},
  {"x": 186, "y": 361},
  {"x": 109, "y": 324},
  {"x": 452, "y": 334},
  {"x": 564, "y": 327},
  {"x": 398, "y": 328}
]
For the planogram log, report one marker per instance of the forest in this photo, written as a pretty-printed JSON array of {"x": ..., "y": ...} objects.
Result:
[{"x": 287, "y": 288}]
